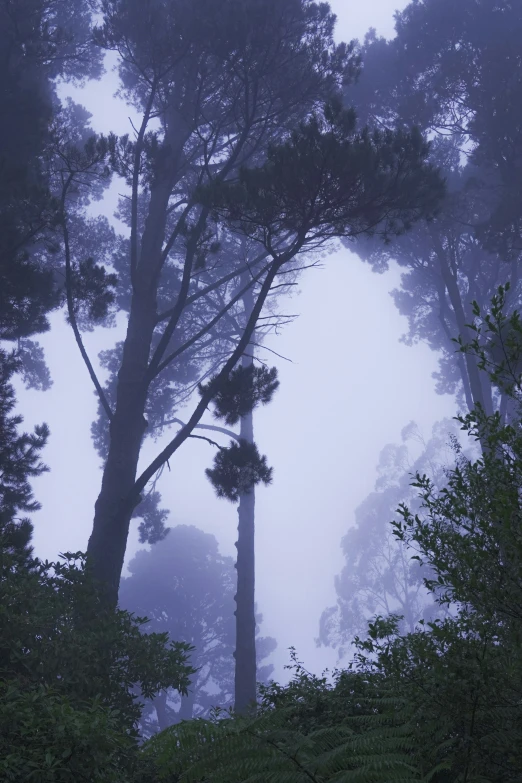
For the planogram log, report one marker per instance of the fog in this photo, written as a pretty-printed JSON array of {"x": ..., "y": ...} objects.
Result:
[{"x": 348, "y": 387}]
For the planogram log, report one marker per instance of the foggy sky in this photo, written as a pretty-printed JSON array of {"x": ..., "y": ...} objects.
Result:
[{"x": 348, "y": 391}]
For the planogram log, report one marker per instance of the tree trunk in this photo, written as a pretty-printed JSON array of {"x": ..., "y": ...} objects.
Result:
[
  {"x": 160, "y": 704},
  {"x": 480, "y": 394},
  {"x": 108, "y": 541},
  {"x": 245, "y": 653},
  {"x": 113, "y": 511},
  {"x": 187, "y": 705}
]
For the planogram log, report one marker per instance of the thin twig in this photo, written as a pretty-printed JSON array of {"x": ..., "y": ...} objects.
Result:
[{"x": 70, "y": 304}]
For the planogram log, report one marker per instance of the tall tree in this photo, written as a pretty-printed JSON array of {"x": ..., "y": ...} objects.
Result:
[
  {"x": 249, "y": 393},
  {"x": 456, "y": 75},
  {"x": 222, "y": 82},
  {"x": 245, "y": 674},
  {"x": 19, "y": 462},
  {"x": 40, "y": 41},
  {"x": 254, "y": 385}
]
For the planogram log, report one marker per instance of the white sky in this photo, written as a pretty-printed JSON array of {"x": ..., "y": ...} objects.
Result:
[{"x": 350, "y": 389}]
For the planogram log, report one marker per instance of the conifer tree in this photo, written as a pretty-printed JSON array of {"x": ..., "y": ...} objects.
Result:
[
  {"x": 226, "y": 160},
  {"x": 19, "y": 462}
]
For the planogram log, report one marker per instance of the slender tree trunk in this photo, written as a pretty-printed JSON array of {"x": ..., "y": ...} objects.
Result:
[
  {"x": 480, "y": 395},
  {"x": 160, "y": 704},
  {"x": 187, "y": 705},
  {"x": 245, "y": 653}
]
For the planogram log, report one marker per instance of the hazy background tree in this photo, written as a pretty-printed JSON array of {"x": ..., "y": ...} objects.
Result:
[
  {"x": 455, "y": 74},
  {"x": 184, "y": 586},
  {"x": 40, "y": 41},
  {"x": 379, "y": 577}
]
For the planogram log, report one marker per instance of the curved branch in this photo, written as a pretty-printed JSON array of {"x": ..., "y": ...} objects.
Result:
[
  {"x": 213, "y": 427},
  {"x": 70, "y": 306}
]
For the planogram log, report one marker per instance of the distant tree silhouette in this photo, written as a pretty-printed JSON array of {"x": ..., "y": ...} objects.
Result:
[
  {"x": 184, "y": 586},
  {"x": 379, "y": 577},
  {"x": 455, "y": 74}
]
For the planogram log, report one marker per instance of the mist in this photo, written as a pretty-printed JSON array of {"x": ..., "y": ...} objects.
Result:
[
  {"x": 324, "y": 455},
  {"x": 360, "y": 335}
]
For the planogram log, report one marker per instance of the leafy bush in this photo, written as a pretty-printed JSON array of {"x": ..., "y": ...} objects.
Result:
[{"x": 71, "y": 673}]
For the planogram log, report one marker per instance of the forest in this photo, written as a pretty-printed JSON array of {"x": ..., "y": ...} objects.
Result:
[{"x": 259, "y": 144}]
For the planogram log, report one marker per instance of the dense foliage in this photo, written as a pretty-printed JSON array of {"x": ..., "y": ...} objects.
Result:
[
  {"x": 69, "y": 669},
  {"x": 19, "y": 462}
]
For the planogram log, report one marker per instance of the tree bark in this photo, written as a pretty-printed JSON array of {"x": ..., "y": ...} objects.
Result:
[
  {"x": 160, "y": 704},
  {"x": 245, "y": 653},
  {"x": 480, "y": 395},
  {"x": 113, "y": 511},
  {"x": 187, "y": 705},
  {"x": 108, "y": 541}
]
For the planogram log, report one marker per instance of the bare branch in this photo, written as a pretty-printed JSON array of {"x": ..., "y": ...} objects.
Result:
[
  {"x": 159, "y": 367},
  {"x": 278, "y": 315},
  {"x": 209, "y": 440},
  {"x": 70, "y": 304},
  {"x": 283, "y": 285},
  {"x": 213, "y": 427},
  {"x": 271, "y": 350}
]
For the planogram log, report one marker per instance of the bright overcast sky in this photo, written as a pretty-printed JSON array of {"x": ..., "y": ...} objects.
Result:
[{"x": 349, "y": 390}]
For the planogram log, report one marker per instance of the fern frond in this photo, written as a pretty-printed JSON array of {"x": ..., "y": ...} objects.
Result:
[{"x": 376, "y": 747}]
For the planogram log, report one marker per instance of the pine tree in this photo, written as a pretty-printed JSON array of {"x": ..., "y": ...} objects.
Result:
[{"x": 19, "y": 462}]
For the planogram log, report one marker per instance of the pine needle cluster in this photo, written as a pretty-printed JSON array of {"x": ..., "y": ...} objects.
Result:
[
  {"x": 242, "y": 391},
  {"x": 237, "y": 469}
]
